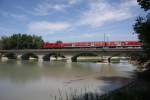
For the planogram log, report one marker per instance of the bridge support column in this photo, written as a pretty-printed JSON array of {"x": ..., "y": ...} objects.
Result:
[
  {"x": 69, "y": 59},
  {"x": 109, "y": 59},
  {"x": 106, "y": 59},
  {"x": 19, "y": 57},
  {"x": 40, "y": 58}
]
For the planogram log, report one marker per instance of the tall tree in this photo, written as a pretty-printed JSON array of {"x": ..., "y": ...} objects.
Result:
[
  {"x": 21, "y": 41},
  {"x": 59, "y": 41},
  {"x": 142, "y": 26},
  {"x": 145, "y": 4}
]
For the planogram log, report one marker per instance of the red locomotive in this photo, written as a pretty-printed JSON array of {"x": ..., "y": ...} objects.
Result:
[{"x": 112, "y": 44}]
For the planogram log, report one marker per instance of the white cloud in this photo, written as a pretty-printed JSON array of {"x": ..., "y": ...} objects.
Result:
[
  {"x": 46, "y": 8},
  {"x": 47, "y": 27},
  {"x": 88, "y": 35},
  {"x": 129, "y": 3},
  {"x": 72, "y": 2},
  {"x": 20, "y": 17},
  {"x": 102, "y": 12},
  {"x": 94, "y": 37}
]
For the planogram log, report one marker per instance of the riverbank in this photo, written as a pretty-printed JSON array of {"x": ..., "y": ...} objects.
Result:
[
  {"x": 136, "y": 90},
  {"x": 139, "y": 89}
]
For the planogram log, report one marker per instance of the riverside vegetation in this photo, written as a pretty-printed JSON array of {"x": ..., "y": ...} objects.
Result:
[
  {"x": 21, "y": 41},
  {"x": 139, "y": 89}
]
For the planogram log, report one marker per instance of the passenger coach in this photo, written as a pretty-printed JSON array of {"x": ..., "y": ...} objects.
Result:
[{"x": 112, "y": 44}]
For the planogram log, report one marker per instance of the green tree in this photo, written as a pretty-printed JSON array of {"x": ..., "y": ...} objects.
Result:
[
  {"x": 0, "y": 44},
  {"x": 21, "y": 41},
  {"x": 142, "y": 26},
  {"x": 59, "y": 41},
  {"x": 145, "y": 4}
]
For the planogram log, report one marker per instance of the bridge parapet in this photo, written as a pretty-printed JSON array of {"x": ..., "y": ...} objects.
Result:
[{"x": 69, "y": 53}]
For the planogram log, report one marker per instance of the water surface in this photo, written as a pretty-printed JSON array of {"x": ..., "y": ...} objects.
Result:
[{"x": 31, "y": 80}]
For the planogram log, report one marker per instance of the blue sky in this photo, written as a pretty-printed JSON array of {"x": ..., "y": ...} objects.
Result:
[{"x": 70, "y": 20}]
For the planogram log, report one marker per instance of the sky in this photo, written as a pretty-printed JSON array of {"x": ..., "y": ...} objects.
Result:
[{"x": 70, "y": 20}]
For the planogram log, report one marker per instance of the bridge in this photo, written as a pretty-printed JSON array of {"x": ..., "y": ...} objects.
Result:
[{"x": 69, "y": 54}]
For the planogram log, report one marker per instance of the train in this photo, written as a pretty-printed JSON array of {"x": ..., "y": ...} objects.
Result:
[{"x": 101, "y": 44}]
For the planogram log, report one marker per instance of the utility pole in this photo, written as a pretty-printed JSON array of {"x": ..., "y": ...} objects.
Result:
[
  {"x": 108, "y": 38},
  {"x": 104, "y": 40},
  {"x": 104, "y": 37}
]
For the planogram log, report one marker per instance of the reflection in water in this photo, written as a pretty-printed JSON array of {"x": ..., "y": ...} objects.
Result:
[{"x": 30, "y": 80}]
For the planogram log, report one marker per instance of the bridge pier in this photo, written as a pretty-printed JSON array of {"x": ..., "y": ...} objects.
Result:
[
  {"x": 40, "y": 58},
  {"x": 106, "y": 59},
  {"x": 109, "y": 59},
  {"x": 53, "y": 58},
  {"x": 19, "y": 57},
  {"x": 69, "y": 58}
]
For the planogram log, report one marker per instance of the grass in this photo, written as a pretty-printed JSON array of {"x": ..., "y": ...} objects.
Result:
[{"x": 137, "y": 90}]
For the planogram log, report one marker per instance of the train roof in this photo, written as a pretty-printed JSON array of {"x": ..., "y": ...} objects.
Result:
[{"x": 93, "y": 41}]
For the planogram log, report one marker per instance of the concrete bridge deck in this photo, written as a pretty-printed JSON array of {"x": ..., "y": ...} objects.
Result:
[
  {"x": 69, "y": 53},
  {"x": 74, "y": 50}
]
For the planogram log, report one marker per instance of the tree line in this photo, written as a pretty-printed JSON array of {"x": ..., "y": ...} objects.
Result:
[
  {"x": 21, "y": 41},
  {"x": 142, "y": 26},
  {"x": 142, "y": 29}
]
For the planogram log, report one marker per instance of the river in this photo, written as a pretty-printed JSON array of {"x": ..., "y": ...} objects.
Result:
[{"x": 32, "y": 80}]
